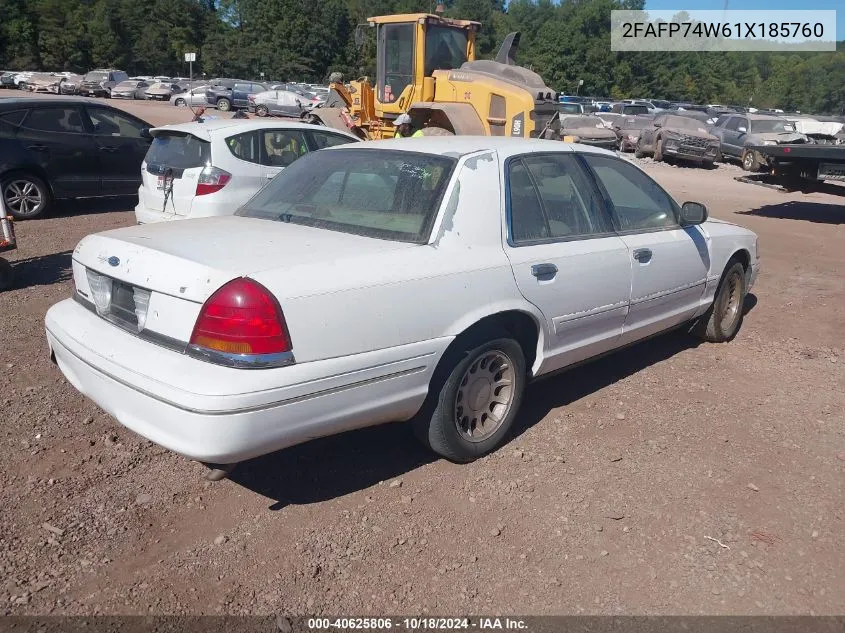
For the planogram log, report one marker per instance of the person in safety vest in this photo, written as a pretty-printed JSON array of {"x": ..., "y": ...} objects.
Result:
[{"x": 404, "y": 125}]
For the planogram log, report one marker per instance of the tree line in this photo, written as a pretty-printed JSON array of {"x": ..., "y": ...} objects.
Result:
[{"x": 305, "y": 40}]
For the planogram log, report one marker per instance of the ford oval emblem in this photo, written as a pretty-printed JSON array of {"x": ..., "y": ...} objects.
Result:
[{"x": 113, "y": 261}]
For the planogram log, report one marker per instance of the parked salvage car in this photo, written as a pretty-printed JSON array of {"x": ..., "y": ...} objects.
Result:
[
  {"x": 736, "y": 133},
  {"x": 226, "y": 98},
  {"x": 99, "y": 83},
  {"x": 570, "y": 107},
  {"x": 7, "y": 80},
  {"x": 628, "y": 129},
  {"x": 193, "y": 97},
  {"x": 630, "y": 108},
  {"x": 211, "y": 168},
  {"x": 420, "y": 280},
  {"x": 280, "y": 103},
  {"x": 130, "y": 89},
  {"x": 589, "y": 130},
  {"x": 162, "y": 91},
  {"x": 673, "y": 136},
  {"x": 66, "y": 148}
]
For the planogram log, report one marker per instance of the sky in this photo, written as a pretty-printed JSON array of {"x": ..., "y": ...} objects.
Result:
[{"x": 755, "y": 5}]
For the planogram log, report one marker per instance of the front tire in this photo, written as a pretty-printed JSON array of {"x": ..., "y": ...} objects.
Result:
[
  {"x": 476, "y": 403},
  {"x": 181, "y": 103},
  {"x": 749, "y": 160},
  {"x": 261, "y": 110},
  {"x": 722, "y": 320},
  {"x": 658, "y": 150},
  {"x": 26, "y": 196}
]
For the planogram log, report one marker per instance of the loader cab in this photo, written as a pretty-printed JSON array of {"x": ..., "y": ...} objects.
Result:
[{"x": 410, "y": 48}]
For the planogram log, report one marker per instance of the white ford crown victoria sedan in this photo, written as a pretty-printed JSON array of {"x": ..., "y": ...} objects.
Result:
[{"x": 423, "y": 280}]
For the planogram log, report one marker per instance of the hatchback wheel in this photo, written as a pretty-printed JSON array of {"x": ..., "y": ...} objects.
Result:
[
  {"x": 26, "y": 196},
  {"x": 477, "y": 403}
]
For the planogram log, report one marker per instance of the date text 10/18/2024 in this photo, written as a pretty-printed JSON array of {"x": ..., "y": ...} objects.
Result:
[{"x": 415, "y": 624}]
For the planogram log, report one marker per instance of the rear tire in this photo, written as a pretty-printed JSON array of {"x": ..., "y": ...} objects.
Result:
[
  {"x": 473, "y": 399},
  {"x": 722, "y": 320},
  {"x": 223, "y": 105},
  {"x": 180, "y": 103},
  {"x": 26, "y": 196},
  {"x": 261, "y": 110}
]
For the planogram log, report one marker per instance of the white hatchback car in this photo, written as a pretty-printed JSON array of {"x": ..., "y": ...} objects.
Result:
[
  {"x": 211, "y": 168},
  {"x": 415, "y": 279}
]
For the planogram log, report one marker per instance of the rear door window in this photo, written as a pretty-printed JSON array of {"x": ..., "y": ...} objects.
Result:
[
  {"x": 111, "y": 123},
  {"x": 181, "y": 151},
  {"x": 62, "y": 120}
]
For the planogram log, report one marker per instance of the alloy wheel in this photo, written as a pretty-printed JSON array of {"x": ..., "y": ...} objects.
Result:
[{"x": 23, "y": 197}]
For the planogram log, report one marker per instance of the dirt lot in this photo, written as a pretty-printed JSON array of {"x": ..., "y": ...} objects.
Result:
[{"x": 669, "y": 478}]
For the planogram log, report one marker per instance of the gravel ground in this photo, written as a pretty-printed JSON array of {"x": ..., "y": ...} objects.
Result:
[{"x": 671, "y": 478}]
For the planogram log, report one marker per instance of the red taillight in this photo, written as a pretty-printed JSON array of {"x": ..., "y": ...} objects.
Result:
[
  {"x": 212, "y": 179},
  {"x": 240, "y": 318}
]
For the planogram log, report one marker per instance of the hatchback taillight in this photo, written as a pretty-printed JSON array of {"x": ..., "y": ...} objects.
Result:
[
  {"x": 242, "y": 324},
  {"x": 212, "y": 179}
]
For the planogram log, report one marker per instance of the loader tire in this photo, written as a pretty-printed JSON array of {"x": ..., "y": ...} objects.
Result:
[{"x": 437, "y": 131}]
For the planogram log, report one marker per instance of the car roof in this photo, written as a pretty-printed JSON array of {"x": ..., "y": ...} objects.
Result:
[
  {"x": 17, "y": 102},
  {"x": 463, "y": 145},
  {"x": 213, "y": 127}
]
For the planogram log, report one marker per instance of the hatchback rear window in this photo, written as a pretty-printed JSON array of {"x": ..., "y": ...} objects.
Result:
[
  {"x": 384, "y": 194},
  {"x": 179, "y": 150}
]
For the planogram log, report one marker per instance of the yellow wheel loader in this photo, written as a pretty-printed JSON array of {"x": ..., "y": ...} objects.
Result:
[{"x": 426, "y": 67}]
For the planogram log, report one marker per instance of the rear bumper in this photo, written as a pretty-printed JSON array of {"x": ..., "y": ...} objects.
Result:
[
  {"x": 201, "y": 411},
  {"x": 201, "y": 207}
]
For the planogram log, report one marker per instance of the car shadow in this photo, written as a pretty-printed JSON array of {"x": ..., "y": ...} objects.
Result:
[
  {"x": 334, "y": 466},
  {"x": 87, "y": 206},
  {"x": 42, "y": 271},
  {"x": 796, "y": 210}
]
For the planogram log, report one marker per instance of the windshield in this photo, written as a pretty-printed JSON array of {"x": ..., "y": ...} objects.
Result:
[
  {"x": 573, "y": 123},
  {"x": 95, "y": 76},
  {"x": 445, "y": 48},
  {"x": 179, "y": 150},
  {"x": 385, "y": 194},
  {"x": 570, "y": 108},
  {"x": 635, "y": 109},
  {"x": 686, "y": 123},
  {"x": 771, "y": 125}
]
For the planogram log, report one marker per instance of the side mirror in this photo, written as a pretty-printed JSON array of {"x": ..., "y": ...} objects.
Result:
[
  {"x": 145, "y": 133},
  {"x": 741, "y": 130},
  {"x": 693, "y": 213}
]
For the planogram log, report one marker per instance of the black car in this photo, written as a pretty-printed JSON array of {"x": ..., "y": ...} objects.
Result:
[
  {"x": 233, "y": 96},
  {"x": 63, "y": 148}
]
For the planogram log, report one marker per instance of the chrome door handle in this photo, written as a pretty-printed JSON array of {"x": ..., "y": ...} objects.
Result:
[
  {"x": 544, "y": 272},
  {"x": 642, "y": 255}
]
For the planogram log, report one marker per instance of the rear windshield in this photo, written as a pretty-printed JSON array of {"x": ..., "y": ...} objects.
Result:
[
  {"x": 179, "y": 150},
  {"x": 634, "y": 109},
  {"x": 574, "y": 123},
  {"x": 96, "y": 76},
  {"x": 385, "y": 194},
  {"x": 771, "y": 125},
  {"x": 127, "y": 84}
]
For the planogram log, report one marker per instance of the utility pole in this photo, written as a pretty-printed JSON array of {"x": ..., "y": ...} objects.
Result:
[{"x": 191, "y": 58}]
